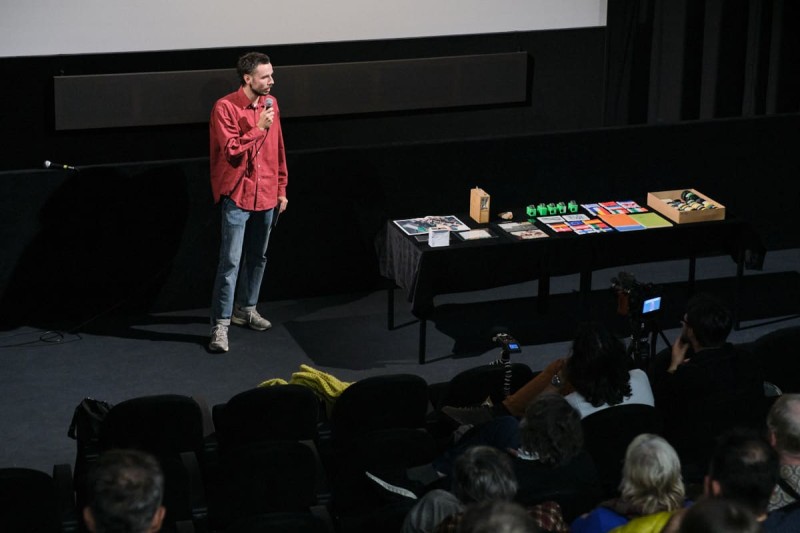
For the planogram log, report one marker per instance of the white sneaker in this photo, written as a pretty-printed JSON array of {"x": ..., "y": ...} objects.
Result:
[
  {"x": 219, "y": 339},
  {"x": 250, "y": 319}
]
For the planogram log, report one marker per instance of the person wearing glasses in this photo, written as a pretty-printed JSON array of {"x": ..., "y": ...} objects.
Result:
[{"x": 704, "y": 384}]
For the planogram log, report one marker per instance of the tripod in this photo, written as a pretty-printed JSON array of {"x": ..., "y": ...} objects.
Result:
[{"x": 644, "y": 336}]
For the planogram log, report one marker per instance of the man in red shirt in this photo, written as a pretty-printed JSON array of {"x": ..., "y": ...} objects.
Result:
[{"x": 248, "y": 180}]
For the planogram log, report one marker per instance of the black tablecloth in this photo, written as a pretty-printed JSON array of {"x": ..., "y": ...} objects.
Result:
[{"x": 424, "y": 272}]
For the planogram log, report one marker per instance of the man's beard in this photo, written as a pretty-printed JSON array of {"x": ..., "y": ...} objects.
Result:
[{"x": 261, "y": 92}]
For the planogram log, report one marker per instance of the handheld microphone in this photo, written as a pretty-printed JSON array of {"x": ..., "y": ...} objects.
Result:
[
  {"x": 50, "y": 164},
  {"x": 268, "y": 103}
]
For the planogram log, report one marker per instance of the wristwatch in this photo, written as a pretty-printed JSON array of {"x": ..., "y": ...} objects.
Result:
[{"x": 555, "y": 381}]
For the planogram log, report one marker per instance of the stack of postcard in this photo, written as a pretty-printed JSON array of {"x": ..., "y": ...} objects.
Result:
[
  {"x": 622, "y": 207},
  {"x": 580, "y": 224},
  {"x": 475, "y": 234},
  {"x": 522, "y": 230},
  {"x": 417, "y": 226}
]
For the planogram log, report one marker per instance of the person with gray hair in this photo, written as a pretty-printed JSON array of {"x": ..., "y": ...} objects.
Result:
[
  {"x": 497, "y": 517},
  {"x": 783, "y": 424},
  {"x": 481, "y": 473},
  {"x": 651, "y": 486},
  {"x": 125, "y": 493}
]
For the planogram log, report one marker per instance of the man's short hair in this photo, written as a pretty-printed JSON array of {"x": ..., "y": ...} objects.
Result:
[
  {"x": 483, "y": 473},
  {"x": 710, "y": 319},
  {"x": 746, "y": 468},
  {"x": 784, "y": 421},
  {"x": 125, "y": 490},
  {"x": 497, "y": 517},
  {"x": 719, "y": 514},
  {"x": 249, "y": 62}
]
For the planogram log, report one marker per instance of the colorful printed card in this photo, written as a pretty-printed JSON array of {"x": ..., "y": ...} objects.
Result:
[
  {"x": 622, "y": 222},
  {"x": 651, "y": 220},
  {"x": 622, "y": 207}
]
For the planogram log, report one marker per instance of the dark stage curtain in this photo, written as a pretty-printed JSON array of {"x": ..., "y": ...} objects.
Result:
[{"x": 675, "y": 60}]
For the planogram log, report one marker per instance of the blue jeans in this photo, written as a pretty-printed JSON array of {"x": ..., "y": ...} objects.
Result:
[{"x": 242, "y": 259}]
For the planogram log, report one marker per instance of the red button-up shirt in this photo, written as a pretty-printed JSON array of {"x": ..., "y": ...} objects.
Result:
[{"x": 247, "y": 164}]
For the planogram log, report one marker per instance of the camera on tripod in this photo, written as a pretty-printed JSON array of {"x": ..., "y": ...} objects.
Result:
[{"x": 639, "y": 301}]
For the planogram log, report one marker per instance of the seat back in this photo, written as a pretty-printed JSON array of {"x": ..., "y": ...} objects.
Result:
[
  {"x": 281, "y": 412},
  {"x": 378, "y": 424},
  {"x": 380, "y": 402},
  {"x": 283, "y": 522},
  {"x": 159, "y": 424},
  {"x": 170, "y": 427},
  {"x": 270, "y": 476},
  {"x": 777, "y": 353},
  {"x": 607, "y": 434},
  {"x": 474, "y": 385},
  {"x": 29, "y": 502},
  {"x": 277, "y": 413}
]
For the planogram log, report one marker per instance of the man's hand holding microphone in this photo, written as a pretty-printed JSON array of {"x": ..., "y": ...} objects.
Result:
[{"x": 267, "y": 116}]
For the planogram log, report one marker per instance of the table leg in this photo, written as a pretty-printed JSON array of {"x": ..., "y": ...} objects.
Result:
[
  {"x": 422, "y": 333},
  {"x": 543, "y": 294},
  {"x": 737, "y": 297},
  {"x": 585, "y": 291},
  {"x": 390, "y": 310}
]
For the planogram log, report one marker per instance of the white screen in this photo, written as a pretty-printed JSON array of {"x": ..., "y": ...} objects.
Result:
[{"x": 54, "y": 27}]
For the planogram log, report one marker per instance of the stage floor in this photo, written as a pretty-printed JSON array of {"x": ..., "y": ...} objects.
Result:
[{"x": 44, "y": 375}]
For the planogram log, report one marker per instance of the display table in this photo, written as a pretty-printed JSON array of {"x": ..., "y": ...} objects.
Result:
[{"x": 424, "y": 272}]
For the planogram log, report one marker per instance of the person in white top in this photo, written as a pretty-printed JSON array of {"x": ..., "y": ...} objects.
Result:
[
  {"x": 640, "y": 393},
  {"x": 598, "y": 373}
]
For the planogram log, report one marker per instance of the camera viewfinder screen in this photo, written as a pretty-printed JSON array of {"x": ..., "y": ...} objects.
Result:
[{"x": 651, "y": 305}]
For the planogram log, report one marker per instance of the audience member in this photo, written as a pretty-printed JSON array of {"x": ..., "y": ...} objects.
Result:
[
  {"x": 651, "y": 483},
  {"x": 719, "y": 514},
  {"x": 125, "y": 492},
  {"x": 481, "y": 473},
  {"x": 704, "y": 385},
  {"x": 743, "y": 469},
  {"x": 783, "y": 425},
  {"x": 546, "y": 446},
  {"x": 497, "y": 517},
  {"x": 598, "y": 374}
]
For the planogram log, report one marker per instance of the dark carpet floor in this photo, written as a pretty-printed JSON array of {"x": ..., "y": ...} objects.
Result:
[{"x": 45, "y": 374}]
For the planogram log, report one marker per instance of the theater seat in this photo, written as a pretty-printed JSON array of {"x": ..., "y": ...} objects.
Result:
[
  {"x": 607, "y": 434},
  {"x": 170, "y": 427},
  {"x": 32, "y": 501},
  {"x": 474, "y": 385},
  {"x": 378, "y": 424},
  {"x": 263, "y": 478},
  {"x": 284, "y": 415},
  {"x": 777, "y": 352}
]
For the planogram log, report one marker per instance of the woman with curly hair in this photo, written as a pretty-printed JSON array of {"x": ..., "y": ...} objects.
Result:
[
  {"x": 651, "y": 486},
  {"x": 597, "y": 374},
  {"x": 547, "y": 450}
]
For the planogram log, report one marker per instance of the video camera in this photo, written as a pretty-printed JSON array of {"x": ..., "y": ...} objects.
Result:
[
  {"x": 634, "y": 299},
  {"x": 508, "y": 343}
]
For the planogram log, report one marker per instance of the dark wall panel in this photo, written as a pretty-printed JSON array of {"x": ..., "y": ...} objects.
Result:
[
  {"x": 160, "y": 98},
  {"x": 563, "y": 92}
]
